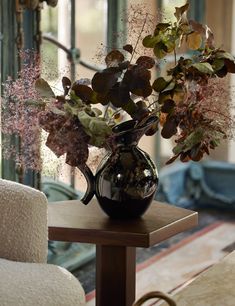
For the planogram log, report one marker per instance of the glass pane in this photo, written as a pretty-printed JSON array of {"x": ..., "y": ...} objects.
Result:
[
  {"x": 168, "y": 7},
  {"x": 91, "y": 26}
]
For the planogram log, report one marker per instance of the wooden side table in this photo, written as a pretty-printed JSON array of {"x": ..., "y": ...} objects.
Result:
[{"x": 116, "y": 241}]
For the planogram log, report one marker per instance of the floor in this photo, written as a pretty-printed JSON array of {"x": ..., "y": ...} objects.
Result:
[{"x": 187, "y": 254}]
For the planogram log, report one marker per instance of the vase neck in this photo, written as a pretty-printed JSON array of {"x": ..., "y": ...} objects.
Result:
[
  {"x": 129, "y": 133},
  {"x": 128, "y": 139}
]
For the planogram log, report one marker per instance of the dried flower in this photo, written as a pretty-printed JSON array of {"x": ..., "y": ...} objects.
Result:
[{"x": 187, "y": 101}]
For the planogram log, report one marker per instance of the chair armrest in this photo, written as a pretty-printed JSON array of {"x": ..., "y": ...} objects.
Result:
[{"x": 23, "y": 223}]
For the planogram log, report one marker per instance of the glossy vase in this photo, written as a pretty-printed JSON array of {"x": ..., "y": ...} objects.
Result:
[{"x": 126, "y": 179}]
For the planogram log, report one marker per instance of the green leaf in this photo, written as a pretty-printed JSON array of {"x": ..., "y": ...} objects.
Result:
[
  {"x": 161, "y": 26},
  {"x": 218, "y": 64},
  {"x": 96, "y": 111},
  {"x": 170, "y": 86},
  {"x": 159, "y": 84},
  {"x": 205, "y": 68},
  {"x": 44, "y": 89},
  {"x": 85, "y": 119},
  {"x": 95, "y": 127},
  {"x": 178, "y": 148},
  {"x": 130, "y": 107},
  {"x": 160, "y": 50},
  {"x": 150, "y": 41},
  {"x": 77, "y": 101},
  {"x": 193, "y": 139},
  {"x": 99, "y": 98},
  {"x": 37, "y": 103},
  {"x": 99, "y": 127},
  {"x": 170, "y": 44},
  {"x": 225, "y": 55}
]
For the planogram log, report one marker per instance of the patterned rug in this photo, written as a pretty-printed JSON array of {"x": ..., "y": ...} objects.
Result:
[{"x": 171, "y": 268}]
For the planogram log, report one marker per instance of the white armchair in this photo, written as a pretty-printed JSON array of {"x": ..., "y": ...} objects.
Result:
[{"x": 25, "y": 278}]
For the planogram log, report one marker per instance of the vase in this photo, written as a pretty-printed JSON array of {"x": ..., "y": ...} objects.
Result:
[{"x": 126, "y": 179}]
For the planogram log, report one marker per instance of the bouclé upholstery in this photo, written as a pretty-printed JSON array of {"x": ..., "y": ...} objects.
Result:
[{"x": 25, "y": 278}]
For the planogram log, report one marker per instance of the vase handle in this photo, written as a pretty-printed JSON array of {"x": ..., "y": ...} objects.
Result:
[{"x": 90, "y": 179}]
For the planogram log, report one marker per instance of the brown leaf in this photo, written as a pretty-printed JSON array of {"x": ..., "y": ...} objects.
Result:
[
  {"x": 128, "y": 48},
  {"x": 66, "y": 83},
  {"x": 194, "y": 40},
  {"x": 184, "y": 157},
  {"x": 113, "y": 58},
  {"x": 103, "y": 81},
  {"x": 172, "y": 159},
  {"x": 168, "y": 106},
  {"x": 83, "y": 91},
  {"x": 230, "y": 65},
  {"x": 197, "y": 27},
  {"x": 169, "y": 128},
  {"x": 146, "y": 62},
  {"x": 180, "y": 12}
]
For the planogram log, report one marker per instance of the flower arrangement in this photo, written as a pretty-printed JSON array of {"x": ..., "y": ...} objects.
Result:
[{"x": 186, "y": 101}]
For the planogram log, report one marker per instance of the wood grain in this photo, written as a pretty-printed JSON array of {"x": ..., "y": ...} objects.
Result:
[
  {"x": 115, "y": 275},
  {"x": 72, "y": 221}
]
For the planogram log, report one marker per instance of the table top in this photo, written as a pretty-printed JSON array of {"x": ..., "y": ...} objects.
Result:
[{"x": 75, "y": 222}]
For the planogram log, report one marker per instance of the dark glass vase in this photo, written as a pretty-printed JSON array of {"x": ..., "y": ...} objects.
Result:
[{"x": 126, "y": 179}]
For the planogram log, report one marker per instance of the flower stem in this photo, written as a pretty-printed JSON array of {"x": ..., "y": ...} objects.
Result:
[{"x": 136, "y": 44}]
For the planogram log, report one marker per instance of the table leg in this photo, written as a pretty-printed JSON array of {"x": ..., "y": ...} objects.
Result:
[{"x": 115, "y": 275}]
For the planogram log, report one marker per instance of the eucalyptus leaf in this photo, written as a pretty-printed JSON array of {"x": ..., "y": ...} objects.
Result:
[
  {"x": 146, "y": 62},
  {"x": 168, "y": 106},
  {"x": 170, "y": 44},
  {"x": 96, "y": 111},
  {"x": 128, "y": 48},
  {"x": 113, "y": 58},
  {"x": 84, "y": 92},
  {"x": 230, "y": 65},
  {"x": 225, "y": 55},
  {"x": 159, "y": 84},
  {"x": 160, "y": 50},
  {"x": 194, "y": 138},
  {"x": 180, "y": 11},
  {"x": 161, "y": 26},
  {"x": 169, "y": 128},
  {"x": 150, "y": 41},
  {"x": 66, "y": 83},
  {"x": 218, "y": 64},
  {"x": 85, "y": 119},
  {"x": 170, "y": 86},
  {"x": 194, "y": 41},
  {"x": 103, "y": 81},
  {"x": 205, "y": 68},
  {"x": 178, "y": 148},
  {"x": 44, "y": 89}
]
